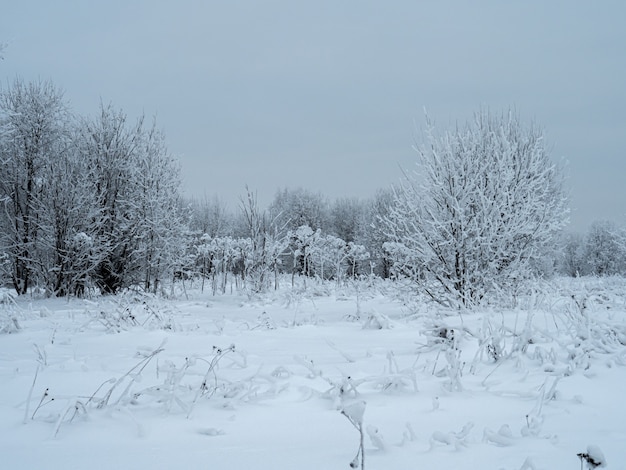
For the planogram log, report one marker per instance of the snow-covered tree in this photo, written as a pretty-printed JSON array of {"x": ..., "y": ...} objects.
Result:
[
  {"x": 483, "y": 205},
  {"x": 356, "y": 255},
  {"x": 346, "y": 218},
  {"x": 267, "y": 245},
  {"x": 67, "y": 204},
  {"x": 373, "y": 232},
  {"x": 303, "y": 243},
  {"x": 605, "y": 249},
  {"x": 33, "y": 118},
  {"x": 84, "y": 200},
  {"x": 293, "y": 208},
  {"x": 223, "y": 257},
  {"x": 328, "y": 255},
  {"x": 137, "y": 224},
  {"x": 351, "y": 220},
  {"x": 110, "y": 146},
  {"x": 161, "y": 223},
  {"x": 572, "y": 256},
  {"x": 210, "y": 216}
]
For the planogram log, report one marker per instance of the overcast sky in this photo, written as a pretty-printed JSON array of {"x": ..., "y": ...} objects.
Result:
[{"x": 329, "y": 95}]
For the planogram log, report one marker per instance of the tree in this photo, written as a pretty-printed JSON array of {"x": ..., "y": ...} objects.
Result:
[
  {"x": 84, "y": 199},
  {"x": 327, "y": 250},
  {"x": 67, "y": 203},
  {"x": 136, "y": 223},
  {"x": 210, "y": 216},
  {"x": 267, "y": 244},
  {"x": 346, "y": 217},
  {"x": 160, "y": 221},
  {"x": 605, "y": 249},
  {"x": 374, "y": 234},
  {"x": 302, "y": 244},
  {"x": 482, "y": 207},
  {"x": 572, "y": 256},
  {"x": 293, "y": 208},
  {"x": 110, "y": 146},
  {"x": 33, "y": 117}
]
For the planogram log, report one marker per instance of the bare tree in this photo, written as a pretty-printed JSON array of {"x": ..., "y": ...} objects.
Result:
[{"x": 482, "y": 207}]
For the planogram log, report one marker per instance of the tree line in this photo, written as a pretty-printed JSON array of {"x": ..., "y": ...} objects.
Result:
[{"x": 96, "y": 203}]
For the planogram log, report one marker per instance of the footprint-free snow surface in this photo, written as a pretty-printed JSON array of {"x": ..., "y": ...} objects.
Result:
[{"x": 294, "y": 378}]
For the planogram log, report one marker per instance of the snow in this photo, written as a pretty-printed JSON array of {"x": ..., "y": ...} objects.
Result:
[{"x": 278, "y": 372}]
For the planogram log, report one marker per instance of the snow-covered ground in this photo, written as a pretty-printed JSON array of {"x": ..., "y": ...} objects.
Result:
[{"x": 231, "y": 383}]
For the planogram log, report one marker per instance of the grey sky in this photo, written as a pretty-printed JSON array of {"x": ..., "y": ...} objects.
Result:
[{"x": 327, "y": 95}]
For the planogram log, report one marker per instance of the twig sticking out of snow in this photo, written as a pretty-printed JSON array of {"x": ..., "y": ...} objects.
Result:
[
  {"x": 376, "y": 438},
  {"x": 30, "y": 394},
  {"x": 594, "y": 457},
  {"x": 354, "y": 412}
]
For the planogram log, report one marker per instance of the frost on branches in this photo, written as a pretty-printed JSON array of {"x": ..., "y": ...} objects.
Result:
[{"x": 481, "y": 208}]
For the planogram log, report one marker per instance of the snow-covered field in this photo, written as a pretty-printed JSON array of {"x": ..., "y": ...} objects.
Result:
[{"x": 227, "y": 382}]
